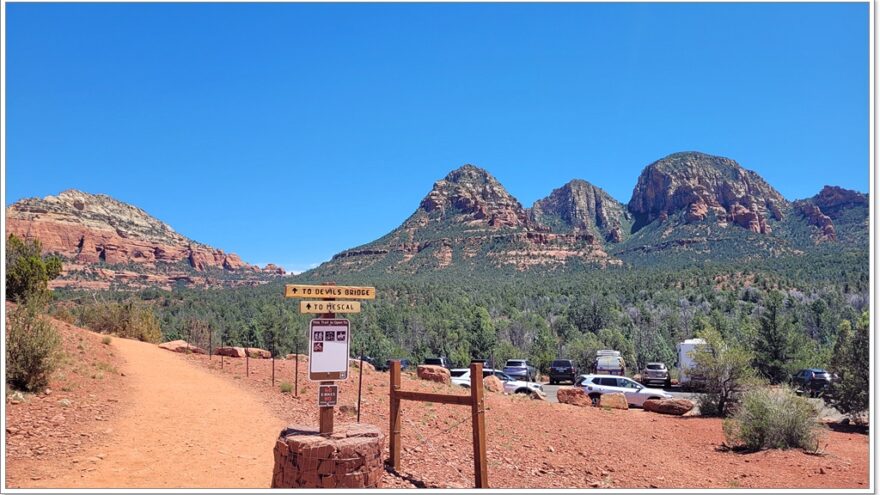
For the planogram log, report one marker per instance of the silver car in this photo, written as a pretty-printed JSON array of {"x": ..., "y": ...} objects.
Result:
[
  {"x": 656, "y": 373},
  {"x": 636, "y": 394}
]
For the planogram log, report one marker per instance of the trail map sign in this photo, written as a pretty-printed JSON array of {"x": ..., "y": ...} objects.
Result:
[
  {"x": 328, "y": 349},
  {"x": 321, "y": 307},
  {"x": 327, "y": 395},
  {"x": 329, "y": 292}
]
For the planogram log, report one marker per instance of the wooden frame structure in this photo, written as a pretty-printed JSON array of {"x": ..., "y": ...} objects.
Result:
[{"x": 475, "y": 400}]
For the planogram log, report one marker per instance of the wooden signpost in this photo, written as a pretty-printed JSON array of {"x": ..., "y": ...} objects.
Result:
[{"x": 329, "y": 338}]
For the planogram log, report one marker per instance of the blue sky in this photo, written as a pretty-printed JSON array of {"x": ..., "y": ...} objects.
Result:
[{"x": 289, "y": 132}]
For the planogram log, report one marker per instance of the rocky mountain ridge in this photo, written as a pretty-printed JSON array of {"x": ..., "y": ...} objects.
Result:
[
  {"x": 95, "y": 232},
  {"x": 686, "y": 202}
]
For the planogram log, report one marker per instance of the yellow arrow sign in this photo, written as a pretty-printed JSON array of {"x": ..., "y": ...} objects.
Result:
[
  {"x": 320, "y": 307},
  {"x": 329, "y": 291}
]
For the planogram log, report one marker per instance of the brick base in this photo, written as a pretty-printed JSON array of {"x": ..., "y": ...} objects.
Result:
[{"x": 349, "y": 458}]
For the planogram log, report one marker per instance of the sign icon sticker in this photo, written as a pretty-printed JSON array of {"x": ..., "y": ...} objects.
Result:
[{"x": 329, "y": 349}]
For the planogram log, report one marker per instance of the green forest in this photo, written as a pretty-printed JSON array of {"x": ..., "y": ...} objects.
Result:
[{"x": 788, "y": 311}]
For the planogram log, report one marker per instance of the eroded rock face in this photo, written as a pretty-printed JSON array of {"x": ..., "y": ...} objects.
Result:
[
  {"x": 434, "y": 373},
  {"x": 832, "y": 200},
  {"x": 471, "y": 194},
  {"x": 88, "y": 229},
  {"x": 817, "y": 218},
  {"x": 701, "y": 186},
  {"x": 581, "y": 206}
]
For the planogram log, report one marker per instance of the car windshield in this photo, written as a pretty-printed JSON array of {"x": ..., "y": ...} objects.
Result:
[
  {"x": 457, "y": 373},
  {"x": 516, "y": 363},
  {"x": 656, "y": 366},
  {"x": 503, "y": 376},
  {"x": 559, "y": 364}
]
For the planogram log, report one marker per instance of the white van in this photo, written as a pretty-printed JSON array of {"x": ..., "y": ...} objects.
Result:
[
  {"x": 686, "y": 376},
  {"x": 609, "y": 362}
]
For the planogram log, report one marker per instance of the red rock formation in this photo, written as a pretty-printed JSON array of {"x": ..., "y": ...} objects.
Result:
[
  {"x": 698, "y": 184},
  {"x": 90, "y": 229},
  {"x": 816, "y": 217}
]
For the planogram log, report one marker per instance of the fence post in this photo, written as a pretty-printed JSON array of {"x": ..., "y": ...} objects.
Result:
[
  {"x": 296, "y": 371},
  {"x": 481, "y": 473},
  {"x": 394, "y": 445}
]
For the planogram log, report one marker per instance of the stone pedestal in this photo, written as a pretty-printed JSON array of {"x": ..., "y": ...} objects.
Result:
[{"x": 351, "y": 457}]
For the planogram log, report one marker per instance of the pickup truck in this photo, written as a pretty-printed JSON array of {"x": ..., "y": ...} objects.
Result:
[{"x": 519, "y": 369}]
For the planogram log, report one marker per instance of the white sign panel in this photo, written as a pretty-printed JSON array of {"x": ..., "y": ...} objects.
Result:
[{"x": 329, "y": 341}]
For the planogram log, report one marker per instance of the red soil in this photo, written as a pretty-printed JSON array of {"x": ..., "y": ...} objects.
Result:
[{"x": 185, "y": 422}]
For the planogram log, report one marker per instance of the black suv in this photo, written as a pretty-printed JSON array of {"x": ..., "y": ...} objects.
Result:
[
  {"x": 439, "y": 361},
  {"x": 562, "y": 370},
  {"x": 813, "y": 381}
]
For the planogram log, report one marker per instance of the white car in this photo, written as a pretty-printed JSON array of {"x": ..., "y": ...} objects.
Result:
[
  {"x": 636, "y": 394},
  {"x": 462, "y": 378}
]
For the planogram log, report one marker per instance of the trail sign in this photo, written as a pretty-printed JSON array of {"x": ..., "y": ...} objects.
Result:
[
  {"x": 327, "y": 395},
  {"x": 320, "y": 307},
  {"x": 328, "y": 349},
  {"x": 329, "y": 291}
]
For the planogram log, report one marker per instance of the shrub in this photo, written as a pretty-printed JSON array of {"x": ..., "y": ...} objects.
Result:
[
  {"x": 773, "y": 418},
  {"x": 32, "y": 346},
  {"x": 106, "y": 340},
  {"x": 286, "y": 387},
  {"x": 127, "y": 320},
  {"x": 27, "y": 272},
  {"x": 725, "y": 369},
  {"x": 851, "y": 361}
]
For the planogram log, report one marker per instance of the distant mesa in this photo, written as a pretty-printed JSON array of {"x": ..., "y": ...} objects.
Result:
[{"x": 94, "y": 229}]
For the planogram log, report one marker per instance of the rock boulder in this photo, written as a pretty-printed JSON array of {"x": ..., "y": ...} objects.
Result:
[
  {"x": 257, "y": 353},
  {"x": 675, "y": 407},
  {"x": 574, "y": 396},
  {"x": 181, "y": 346},
  {"x": 493, "y": 384},
  {"x": 434, "y": 373},
  {"x": 236, "y": 352},
  {"x": 613, "y": 401}
]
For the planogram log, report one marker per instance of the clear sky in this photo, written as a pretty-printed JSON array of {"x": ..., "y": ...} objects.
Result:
[{"x": 289, "y": 132}]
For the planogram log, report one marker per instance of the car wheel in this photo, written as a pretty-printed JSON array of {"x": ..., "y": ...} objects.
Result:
[
  {"x": 522, "y": 391},
  {"x": 594, "y": 398}
]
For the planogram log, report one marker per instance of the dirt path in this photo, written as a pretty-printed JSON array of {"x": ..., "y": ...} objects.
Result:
[{"x": 182, "y": 427}]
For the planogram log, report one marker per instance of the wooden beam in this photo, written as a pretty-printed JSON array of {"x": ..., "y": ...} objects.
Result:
[
  {"x": 394, "y": 446},
  {"x": 461, "y": 400},
  {"x": 481, "y": 472}
]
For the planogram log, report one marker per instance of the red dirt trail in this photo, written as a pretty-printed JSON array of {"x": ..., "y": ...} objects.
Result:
[{"x": 182, "y": 427}]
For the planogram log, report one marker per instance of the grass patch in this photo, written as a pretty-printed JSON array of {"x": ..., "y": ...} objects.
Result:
[
  {"x": 106, "y": 340},
  {"x": 286, "y": 387}
]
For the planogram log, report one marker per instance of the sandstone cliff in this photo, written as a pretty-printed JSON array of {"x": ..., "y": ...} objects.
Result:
[
  {"x": 702, "y": 186},
  {"x": 582, "y": 207},
  {"x": 90, "y": 229}
]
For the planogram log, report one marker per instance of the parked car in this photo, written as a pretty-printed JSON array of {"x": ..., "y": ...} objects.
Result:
[
  {"x": 519, "y": 369},
  {"x": 462, "y": 378},
  {"x": 404, "y": 365},
  {"x": 439, "y": 361},
  {"x": 562, "y": 370},
  {"x": 636, "y": 394},
  {"x": 656, "y": 373},
  {"x": 609, "y": 362},
  {"x": 812, "y": 381}
]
